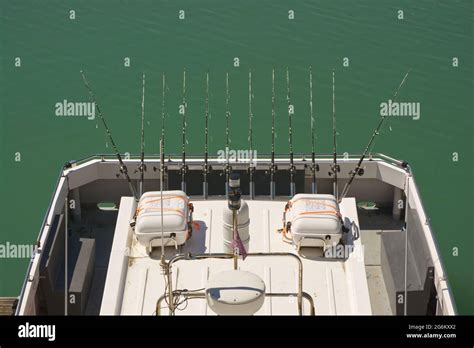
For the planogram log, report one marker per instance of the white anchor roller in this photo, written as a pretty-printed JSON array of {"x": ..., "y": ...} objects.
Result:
[{"x": 235, "y": 292}]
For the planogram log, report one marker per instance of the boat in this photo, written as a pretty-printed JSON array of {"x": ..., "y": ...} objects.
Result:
[{"x": 193, "y": 234}]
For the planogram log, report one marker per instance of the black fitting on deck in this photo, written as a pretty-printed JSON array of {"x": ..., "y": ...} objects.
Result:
[{"x": 234, "y": 201}]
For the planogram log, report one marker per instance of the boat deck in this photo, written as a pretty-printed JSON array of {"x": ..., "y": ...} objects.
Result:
[
  {"x": 7, "y": 304},
  {"x": 337, "y": 287}
]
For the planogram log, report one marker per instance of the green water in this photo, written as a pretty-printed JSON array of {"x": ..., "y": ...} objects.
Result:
[{"x": 380, "y": 47}]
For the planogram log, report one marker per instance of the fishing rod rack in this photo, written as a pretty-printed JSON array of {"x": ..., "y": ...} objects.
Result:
[
  {"x": 216, "y": 179},
  {"x": 173, "y": 158},
  {"x": 295, "y": 173}
]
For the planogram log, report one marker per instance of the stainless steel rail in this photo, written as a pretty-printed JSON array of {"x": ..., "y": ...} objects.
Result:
[
  {"x": 168, "y": 266},
  {"x": 299, "y": 157},
  {"x": 202, "y": 295}
]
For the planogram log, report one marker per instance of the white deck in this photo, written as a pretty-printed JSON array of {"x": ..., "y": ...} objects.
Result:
[{"x": 337, "y": 287}]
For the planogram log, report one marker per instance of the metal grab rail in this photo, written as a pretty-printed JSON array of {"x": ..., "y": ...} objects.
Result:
[
  {"x": 202, "y": 295},
  {"x": 298, "y": 156},
  {"x": 167, "y": 269}
]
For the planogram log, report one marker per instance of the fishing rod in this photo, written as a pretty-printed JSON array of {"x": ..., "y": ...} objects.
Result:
[
  {"x": 142, "y": 167},
  {"x": 358, "y": 170},
  {"x": 206, "y": 168},
  {"x": 184, "y": 168},
  {"x": 163, "y": 113},
  {"x": 251, "y": 168},
  {"x": 292, "y": 168},
  {"x": 122, "y": 166},
  {"x": 273, "y": 168},
  {"x": 314, "y": 167},
  {"x": 335, "y": 167},
  {"x": 227, "y": 167}
]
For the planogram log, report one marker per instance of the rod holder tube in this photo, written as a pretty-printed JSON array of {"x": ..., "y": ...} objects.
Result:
[{"x": 205, "y": 189}]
